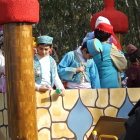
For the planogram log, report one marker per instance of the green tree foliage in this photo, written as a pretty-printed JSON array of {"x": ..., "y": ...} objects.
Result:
[{"x": 68, "y": 21}]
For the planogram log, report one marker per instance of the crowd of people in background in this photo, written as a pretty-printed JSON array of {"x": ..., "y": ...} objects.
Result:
[
  {"x": 2, "y": 64},
  {"x": 98, "y": 63}
]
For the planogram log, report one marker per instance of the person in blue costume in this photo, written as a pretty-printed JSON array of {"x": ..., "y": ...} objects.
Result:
[
  {"x": 45, "y": 68},
  {"x": 78, "y": 69},
  {"x": 110, "y": 62},
  {"x": 111, "y": 40}
]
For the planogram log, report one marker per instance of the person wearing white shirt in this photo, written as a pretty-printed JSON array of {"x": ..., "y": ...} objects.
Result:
[{"x": 46, "y": 76}]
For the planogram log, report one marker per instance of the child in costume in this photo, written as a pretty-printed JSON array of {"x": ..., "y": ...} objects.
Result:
[
  {"x": 133, "y": 71},
  {"x": 78, "y": 69},
  {"x": 46, "y": 76},
  {"x": 110, "y": 62}
]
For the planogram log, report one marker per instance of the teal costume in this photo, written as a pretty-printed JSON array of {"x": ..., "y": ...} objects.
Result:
[
  {"x": 108, "y": 73},
  {"x": 110, "y": 62},
  {"x": 66, "y": 70},
  {"x": 38, "y": 71}
]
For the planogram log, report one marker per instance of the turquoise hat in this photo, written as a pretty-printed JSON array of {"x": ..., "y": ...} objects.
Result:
[
  {"x": 45, "y": 40},
  {"x": 94, "y": 46}
]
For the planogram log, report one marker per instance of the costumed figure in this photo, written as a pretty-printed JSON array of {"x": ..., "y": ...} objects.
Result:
[
  {"x": 78, "y": 69},
  {"x": 111, "y": 40},
  {"x": 110, "y": 62},
  {"x": 46, "y": 76}
]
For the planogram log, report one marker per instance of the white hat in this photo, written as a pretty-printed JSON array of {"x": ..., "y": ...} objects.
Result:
[{"x": 102, "y": 19}]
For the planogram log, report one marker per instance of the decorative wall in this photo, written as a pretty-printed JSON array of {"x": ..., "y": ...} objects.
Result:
[
  {"x": 3, "y": 117},
  {"x": 74, "y": 116}
]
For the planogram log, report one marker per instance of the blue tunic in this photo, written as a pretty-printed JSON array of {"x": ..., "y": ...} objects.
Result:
[
  {"x": 107, "y": 71},
  {"x": 66, "y": 70}
]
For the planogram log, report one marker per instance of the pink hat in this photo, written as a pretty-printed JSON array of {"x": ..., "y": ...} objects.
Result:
[{"x": 131, "y": 48}]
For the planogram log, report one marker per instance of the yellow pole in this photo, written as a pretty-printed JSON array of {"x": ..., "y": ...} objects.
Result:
[{"x": 20, "y": 81}]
